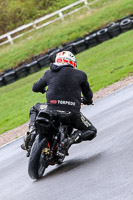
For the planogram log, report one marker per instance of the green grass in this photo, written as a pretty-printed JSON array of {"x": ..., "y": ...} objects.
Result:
[
  {"x": 108, "y": 62},
  {"x": 16, "y": 100},
  {"x": 15, "y": 13},
  {"x": 61, "y": 32},
  {"x": 104, "y": 65}
]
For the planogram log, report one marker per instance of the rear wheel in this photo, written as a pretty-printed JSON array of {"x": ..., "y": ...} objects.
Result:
[
  {"x": 42, "y": 166},
  {"x": 37, "y": 163}
]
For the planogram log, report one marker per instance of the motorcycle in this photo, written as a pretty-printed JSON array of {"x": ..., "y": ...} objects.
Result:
[{"x": 47, "y": 147}]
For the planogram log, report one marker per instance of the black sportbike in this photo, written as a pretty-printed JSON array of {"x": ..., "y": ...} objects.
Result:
[{"x": 47, "y": 147}]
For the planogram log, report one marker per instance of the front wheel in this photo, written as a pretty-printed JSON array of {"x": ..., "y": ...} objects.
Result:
[{"x": 37, "y": 163}]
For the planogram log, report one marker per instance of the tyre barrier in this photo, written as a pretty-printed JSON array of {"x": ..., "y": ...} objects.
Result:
[
  {"x": 10, "y": 77},
  {"x": 126, "y": 24},
  {"x": 79, "y": 46},
  {"x": 91, "y": 40},
  {"x": 76, "y": 46},
  {"x": 22, "y": 72},
  {"x": 51, "y": 50},
  {"x": 52, "y": 55},
  {"x": 2, "y": 83},
  {"x": 33, "y": 67},
  {"x": 114, "y": 29},
  {"x": 68, "y": 47},
  {"x": 103, "y": 35},
  {"x": 44, "y": 60}
]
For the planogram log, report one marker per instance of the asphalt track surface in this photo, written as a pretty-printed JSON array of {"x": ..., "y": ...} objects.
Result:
[{"x": 98, "y": 170}]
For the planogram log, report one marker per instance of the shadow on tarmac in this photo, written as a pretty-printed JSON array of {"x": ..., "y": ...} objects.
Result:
[{"x": 71, "y": 164}]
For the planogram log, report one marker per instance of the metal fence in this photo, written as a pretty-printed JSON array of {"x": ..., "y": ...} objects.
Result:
[{"x": 10, "y": 36}]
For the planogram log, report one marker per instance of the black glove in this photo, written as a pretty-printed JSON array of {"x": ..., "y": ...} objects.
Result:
[
  {"x": 85, "y": 101},
  {"x": 43, "y": 91}
]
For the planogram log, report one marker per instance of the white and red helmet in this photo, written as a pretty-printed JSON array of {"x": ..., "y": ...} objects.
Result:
[{"x": 66, "y": 57}]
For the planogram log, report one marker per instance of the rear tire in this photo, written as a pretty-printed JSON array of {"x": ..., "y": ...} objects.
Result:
[{"x": 37, "y": 163}]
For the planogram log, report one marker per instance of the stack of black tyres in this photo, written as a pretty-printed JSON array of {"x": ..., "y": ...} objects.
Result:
[
  {"x": 22, "y": 72},
  {"x": 52, "y": 55},
  {"x": 44, "y": 60},
  {"x": 76, "y": 46},
  {"x": 33, "y": 67},
  {"x": 9, "y": 76},
  {"x": 103, "y": 35},
  {"x": 114, "y": 29},
  {"x": 91, "y": 40},
  {"x": 126, "y": 24},
  {"x": 2, "y": 83},
  {"x": 79, "y": 46},
  {"x": 68, "y": 47}
]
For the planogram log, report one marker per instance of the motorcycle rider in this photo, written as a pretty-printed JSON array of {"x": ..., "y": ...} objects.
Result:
[{"x": 65, "y": 84}]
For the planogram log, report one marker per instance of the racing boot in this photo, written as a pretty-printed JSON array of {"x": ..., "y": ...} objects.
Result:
[
  {"x": 73, "y": 139},
  {"x": 29, "y": 138},
  {"x": 77, "y": 137}
]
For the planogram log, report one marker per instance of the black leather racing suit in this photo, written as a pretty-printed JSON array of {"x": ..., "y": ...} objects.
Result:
[{"x": 65, "y": 85}]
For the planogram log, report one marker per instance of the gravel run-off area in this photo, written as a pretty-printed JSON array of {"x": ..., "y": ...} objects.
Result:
[{"x": 20, "y": 130}]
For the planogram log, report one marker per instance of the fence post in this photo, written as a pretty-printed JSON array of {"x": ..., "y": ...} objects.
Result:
[
  {"x": 86, "y": 4},
  {"x": 61, "y": 16},
  {"x": 10, "y": 39},
  {"x": 34, "y": 26}
]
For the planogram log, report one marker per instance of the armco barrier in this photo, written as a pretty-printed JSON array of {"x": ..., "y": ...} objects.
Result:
[{"x": 94, "y": 38}]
